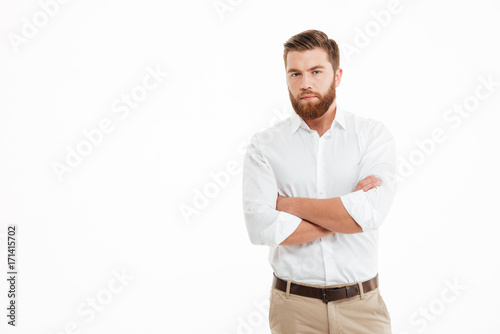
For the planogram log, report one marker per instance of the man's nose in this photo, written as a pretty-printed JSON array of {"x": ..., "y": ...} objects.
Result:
[{"x": 305, "y": 83}]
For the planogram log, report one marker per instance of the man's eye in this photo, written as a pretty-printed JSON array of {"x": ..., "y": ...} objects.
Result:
[
  {"x": 317, "y": 72},
  {"x": 294, "y": 75}
]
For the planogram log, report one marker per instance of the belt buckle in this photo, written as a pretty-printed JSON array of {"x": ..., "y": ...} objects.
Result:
[{"x": 323, "y": 293}]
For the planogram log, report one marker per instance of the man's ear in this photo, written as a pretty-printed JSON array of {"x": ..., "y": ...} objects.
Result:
[{"x": 338, "y": 77}]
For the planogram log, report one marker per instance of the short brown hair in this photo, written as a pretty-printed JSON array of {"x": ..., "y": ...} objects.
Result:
[{"x": 310, "y": 39}]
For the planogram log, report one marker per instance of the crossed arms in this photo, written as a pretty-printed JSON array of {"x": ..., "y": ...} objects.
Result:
[
  {"x": 274, "y": 220},
  {"x": 329, "y": 215}
]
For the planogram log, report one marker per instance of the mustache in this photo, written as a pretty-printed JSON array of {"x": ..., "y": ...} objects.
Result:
[{"x": 308, "y": 93}]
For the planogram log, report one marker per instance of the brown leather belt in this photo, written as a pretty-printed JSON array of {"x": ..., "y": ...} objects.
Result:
[{"x": 326, "y": 294}]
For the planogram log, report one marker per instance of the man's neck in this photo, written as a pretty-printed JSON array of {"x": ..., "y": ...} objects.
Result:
[{"x": 323, "y": 123}]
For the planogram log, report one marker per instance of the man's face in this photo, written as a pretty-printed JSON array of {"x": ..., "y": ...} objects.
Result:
[{"x": 311, "y": 82}]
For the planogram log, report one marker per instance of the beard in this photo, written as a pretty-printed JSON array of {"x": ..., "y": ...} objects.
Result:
[{"x": 313, "y": 109}]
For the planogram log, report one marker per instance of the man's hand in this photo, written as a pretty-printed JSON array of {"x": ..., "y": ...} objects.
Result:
[{"x": 368, "y": 183}]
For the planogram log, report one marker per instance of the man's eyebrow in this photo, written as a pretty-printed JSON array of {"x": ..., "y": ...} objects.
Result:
[{"x": 312, "y": 68}]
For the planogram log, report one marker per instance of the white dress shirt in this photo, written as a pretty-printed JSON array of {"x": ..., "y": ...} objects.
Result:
[{"x": 291, "y": 159}]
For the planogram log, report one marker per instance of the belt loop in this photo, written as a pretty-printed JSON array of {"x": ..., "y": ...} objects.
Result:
[
  {"x": 288, "y": 283},
  {"x": 361, "y": 292}
]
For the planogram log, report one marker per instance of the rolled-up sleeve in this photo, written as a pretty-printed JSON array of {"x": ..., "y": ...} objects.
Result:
[
  {"x": 370, "y": 208},
  {"x": 265, "y": 225}
]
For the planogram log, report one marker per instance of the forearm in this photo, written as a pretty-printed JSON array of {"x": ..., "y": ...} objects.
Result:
[
  {"x": 305, "y": 232},
  {"x": 328, "y": 213}
]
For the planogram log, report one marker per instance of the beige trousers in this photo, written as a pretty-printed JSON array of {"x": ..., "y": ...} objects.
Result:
[{"x": 294, "y": 314}]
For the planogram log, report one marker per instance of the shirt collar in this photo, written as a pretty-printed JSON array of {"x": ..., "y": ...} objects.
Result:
[{"x": 297, "y": 121}]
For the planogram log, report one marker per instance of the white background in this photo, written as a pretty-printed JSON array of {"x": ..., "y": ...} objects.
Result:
[{"x": 119, "y": 209}]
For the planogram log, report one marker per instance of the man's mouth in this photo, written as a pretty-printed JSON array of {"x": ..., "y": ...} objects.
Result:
[{"x": 307, "y": 97}]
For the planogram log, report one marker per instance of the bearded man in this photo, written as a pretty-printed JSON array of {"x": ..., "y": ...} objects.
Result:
[{"x": 316, "y": 188}]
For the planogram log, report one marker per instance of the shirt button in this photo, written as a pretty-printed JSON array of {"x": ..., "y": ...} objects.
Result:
[{"x": 321, "y": 193}]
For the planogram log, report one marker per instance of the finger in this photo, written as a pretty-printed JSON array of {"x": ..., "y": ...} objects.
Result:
[
  {"x": 367, "y": 180},
  {"x": 372, "y": 185},
  {"x": 370, "y": 177},
  {"x": 373, "y": 180},
  {"x": 363, "y": 183}
]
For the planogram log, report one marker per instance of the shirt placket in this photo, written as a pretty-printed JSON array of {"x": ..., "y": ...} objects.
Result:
[{"x": 321, "y": 174}]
